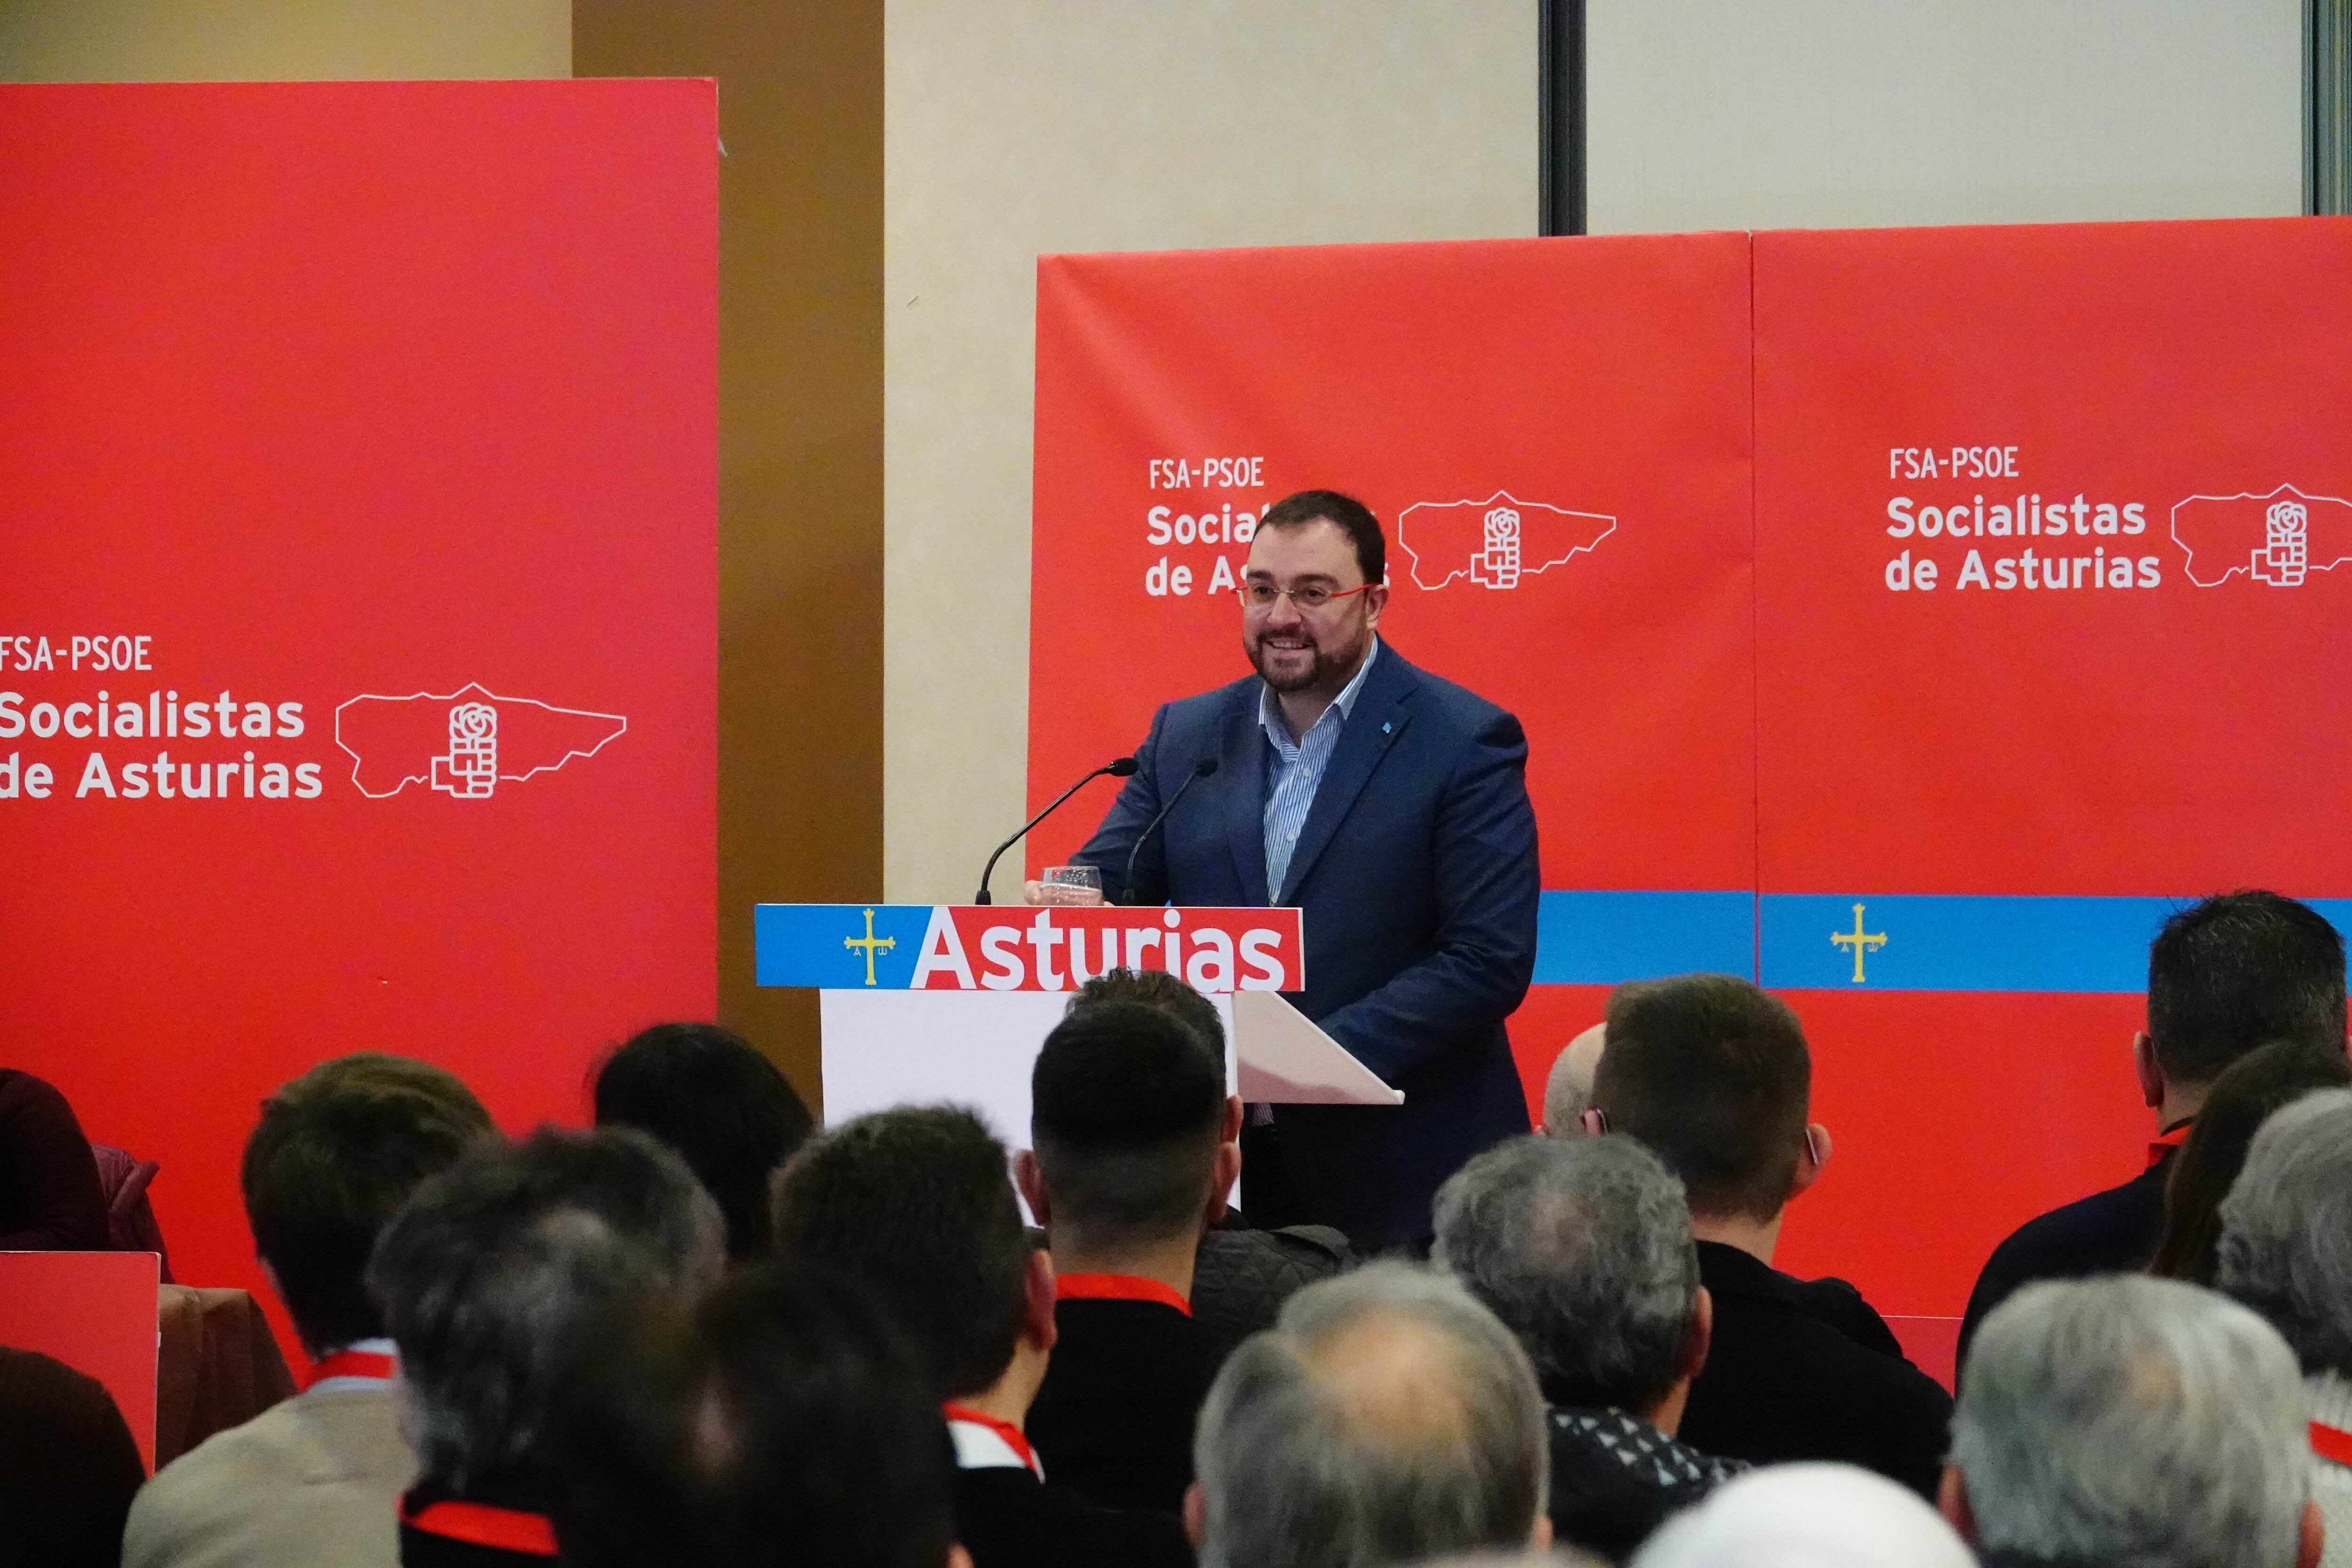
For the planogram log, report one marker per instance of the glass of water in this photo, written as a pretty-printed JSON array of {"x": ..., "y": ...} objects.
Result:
[{"x": 1070, "y": 885}]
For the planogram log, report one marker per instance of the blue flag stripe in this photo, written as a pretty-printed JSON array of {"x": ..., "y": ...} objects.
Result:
[
  {"x": 1931, "y": 941},
  {"x": 1910, "y": 941}
]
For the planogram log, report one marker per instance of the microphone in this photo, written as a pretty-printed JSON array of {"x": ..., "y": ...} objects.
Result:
[
  {"x": 1200, "y": 770},
  {"x": 1117, "y": 768}
]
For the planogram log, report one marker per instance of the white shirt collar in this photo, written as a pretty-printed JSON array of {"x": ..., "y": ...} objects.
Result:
[
  {"x": 979, "y": 1448},
  {"x": 1269, "y": 707},
  {"x": 352, "y": 1384}
]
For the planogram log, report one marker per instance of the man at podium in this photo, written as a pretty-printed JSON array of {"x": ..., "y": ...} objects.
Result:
[{"x": 1392, "y": 808}]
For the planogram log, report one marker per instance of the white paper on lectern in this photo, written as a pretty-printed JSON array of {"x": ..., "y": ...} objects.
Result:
[{"x": 1285, "y": 1059}]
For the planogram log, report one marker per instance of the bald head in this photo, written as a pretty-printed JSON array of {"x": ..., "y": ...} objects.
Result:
[
  {"x": 1392, "y": 1374},
  {"x": 1569, "y": 1091},
  {"x": 1386, "y": 1418}
]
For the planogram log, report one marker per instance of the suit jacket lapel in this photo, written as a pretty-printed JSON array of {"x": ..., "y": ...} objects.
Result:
[
  {"x": 1240, "y": 779},
  {"x": 1380, "y": 716}
]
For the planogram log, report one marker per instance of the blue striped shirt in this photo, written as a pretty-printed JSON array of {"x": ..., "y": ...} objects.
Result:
[{"x": 1297, "y": 768}]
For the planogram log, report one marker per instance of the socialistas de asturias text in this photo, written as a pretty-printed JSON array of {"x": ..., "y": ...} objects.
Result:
[{"x": 112, "y": 773}]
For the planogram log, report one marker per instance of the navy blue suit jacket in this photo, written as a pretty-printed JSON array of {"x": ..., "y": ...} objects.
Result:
[{"x": 1416, "y": 873}]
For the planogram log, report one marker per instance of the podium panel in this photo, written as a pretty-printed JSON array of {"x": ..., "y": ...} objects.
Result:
[
  {"x": 923, "y": 1003},
  {"x": 896, "y": 1047}
]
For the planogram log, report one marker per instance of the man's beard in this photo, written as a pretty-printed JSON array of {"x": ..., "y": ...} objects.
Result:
[{"x": 1331, "y": 667}]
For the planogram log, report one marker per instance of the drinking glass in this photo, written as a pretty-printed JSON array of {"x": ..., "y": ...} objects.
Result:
[{"x": 1070, "y": 885}]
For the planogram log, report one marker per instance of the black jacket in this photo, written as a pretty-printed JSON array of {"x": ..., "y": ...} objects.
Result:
[
  {"x": 1114, "y": 1419},
  {"x": 1788, "y": 1377},
  {"x": 1241, "y": 1278},
  {"x": 1614, "y": 1479},
  {"x": 2113, "y": 1232},
  {"x": 1007, "y": 1518}
]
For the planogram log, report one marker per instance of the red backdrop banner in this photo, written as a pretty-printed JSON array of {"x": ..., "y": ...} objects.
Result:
[
  {"x": 2002, "y": 404},
  {"x": 357, "y": 639},
  {"x": 1597, "y": 392},
  {"x": 1740, "y": 527}
]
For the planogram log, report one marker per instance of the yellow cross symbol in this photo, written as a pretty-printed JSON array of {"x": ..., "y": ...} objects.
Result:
[
  {"x": 1859, "y": 939},
  {"x": 874, "y": 944}
]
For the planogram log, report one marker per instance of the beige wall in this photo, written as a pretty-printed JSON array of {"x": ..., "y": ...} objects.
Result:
[
  {"x": 1823, "y": 113},
  {"x": 283, "y": 41},
  {"x": 1074, "y": 125}
]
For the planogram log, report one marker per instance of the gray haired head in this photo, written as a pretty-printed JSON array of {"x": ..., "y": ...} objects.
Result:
[
  {"x": 1386, "y": 1418},
  {"x": 2287, "y": 1229},
  {"x": 1582, "y": 1247},
  {"x": 1568, "y": 1087},
  {"x": 2132, "y": 1421},
  {"x": 493, "y": 1264}
]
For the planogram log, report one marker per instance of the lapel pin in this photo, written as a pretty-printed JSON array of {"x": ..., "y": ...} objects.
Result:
[{"x": 1386, "y": 728}]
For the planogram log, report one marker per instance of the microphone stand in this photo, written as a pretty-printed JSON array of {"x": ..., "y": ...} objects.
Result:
[
  {"x": 1200, "y": 770},
  {"x": 1117, "y": 768}
]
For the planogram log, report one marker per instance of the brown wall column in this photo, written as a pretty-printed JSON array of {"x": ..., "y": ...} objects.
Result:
[{"x": 800, "y": 454}]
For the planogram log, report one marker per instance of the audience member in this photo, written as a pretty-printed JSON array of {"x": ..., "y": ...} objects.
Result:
[
  {"x": 1809, "y": 1516},
  {"x": 68, "y": 1466},
  {"x": 723, "y": 1106},
  {"x": 1241, "y": 1274},
  {"x": 2130, "y": 1421},
  {"x": 2241, "y": 1100},
  {"x": 2224, "y": 975},
  {"x": 1583, "y": 1248},
  {"x": 916, "y": 1203},
  {"x": 483, "y": 1276},
  {"x": 2285, "y": 1250},
  {"x": 316, "y": 1479},
  {"x": 776, "y": 1422},
  {"x": 1715, "y": 1076},
  {"x": 1568, "y": 1091},
  {"x": 1386, "y": 1418},
  {"x": 1134, "y": 1151},
  {"x": 49, "y": 1196}
]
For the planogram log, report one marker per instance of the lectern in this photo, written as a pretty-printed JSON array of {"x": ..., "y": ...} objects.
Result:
[{"x": 923, "y": 1002}]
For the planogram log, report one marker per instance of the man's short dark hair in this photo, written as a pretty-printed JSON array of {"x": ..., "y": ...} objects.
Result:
[
  {"x": 1714, "y": 1076},
  {"x": 918, "y": 1204},
  {"x": 2233, "y": 971},
  {"x": 1352, "y": 516},
  {"x": 495, "y": 1262},
  {"x": 1158, "y": 988},
  {"x": 778, "y": 1421},
  {"x": 1125, "y": 1106},
  {"x": 705, "y": 1093},
  {"x": 335, "y": 1154}
]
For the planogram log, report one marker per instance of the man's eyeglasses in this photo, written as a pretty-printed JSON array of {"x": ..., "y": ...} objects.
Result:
[{"x": 1306, "y": 600}]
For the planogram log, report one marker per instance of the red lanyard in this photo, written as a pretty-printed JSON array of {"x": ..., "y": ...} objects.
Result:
[
  {"x": 479, "y": 1524},
  {"x": 2164, "y": 1143},
  {"x": 354, "y": 1363},
  {"x": 2331, "y": 1444},
  {"x": 1118, "y": 1287},
  {"x": 1013, "y": 1436}
]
